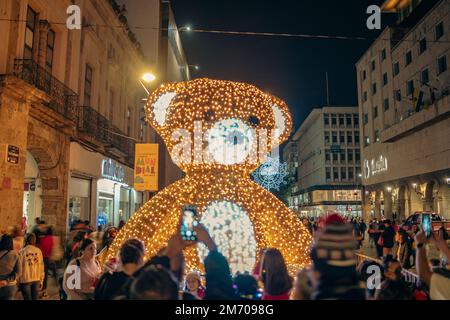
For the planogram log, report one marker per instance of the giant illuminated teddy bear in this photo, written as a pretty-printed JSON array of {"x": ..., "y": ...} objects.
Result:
[{"x": 218, "y": 132}]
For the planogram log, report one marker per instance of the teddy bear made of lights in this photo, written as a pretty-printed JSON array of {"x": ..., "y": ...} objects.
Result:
[{"x": 218, "y": 132}]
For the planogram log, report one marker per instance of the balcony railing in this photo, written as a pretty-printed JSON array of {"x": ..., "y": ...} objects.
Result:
[
  {"x": 62, "y": 99},
  {"x": 99, "y": 128}
]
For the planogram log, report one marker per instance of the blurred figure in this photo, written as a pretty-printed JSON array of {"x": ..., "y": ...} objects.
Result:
[
  {"x": 110, "y": 284},
  {"x": 89, "y": 271},
  {"x": 10, "y": 268},
  {"x": 246, "y": 287},
  {"x": 97, "y": 236},
  {"x": 371, "y": 233},
  {"x": 121, "y": 224},
  {"x": 439, "y": 284},
  {"x": 33, "y": 270},
  {"x": 303, "y": 287},
  {"x": 275, "y": 277},
  {"x": 363, "y": 228},
  {"x": 109, "y": 236},
  {"x": 154, "y": 283},
  {"x": 394, "y": 287},
  {"x": 404, "y": 250},
  {"x": 334, "y": 262},
  {"x": 16, "y": 234},
  {"x": 46, "y": 245},
  {"x": 388, "y": 237},
  {"x": 193, "y": 285}
]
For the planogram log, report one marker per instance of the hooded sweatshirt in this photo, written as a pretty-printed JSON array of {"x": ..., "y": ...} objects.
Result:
[{"x": 32, "y": 264}]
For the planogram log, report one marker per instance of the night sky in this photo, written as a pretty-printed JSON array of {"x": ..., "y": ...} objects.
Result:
[{"x": 291, "y": 68}]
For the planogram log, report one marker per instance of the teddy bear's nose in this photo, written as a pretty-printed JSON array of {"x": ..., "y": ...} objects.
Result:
[{"x": 235, "y": 137}]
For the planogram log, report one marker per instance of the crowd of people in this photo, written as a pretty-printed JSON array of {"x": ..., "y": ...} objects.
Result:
[{"x": 334, "y": 273}]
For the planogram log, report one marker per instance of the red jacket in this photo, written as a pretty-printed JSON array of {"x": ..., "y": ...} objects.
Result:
[{"x": 46, "y": 246}]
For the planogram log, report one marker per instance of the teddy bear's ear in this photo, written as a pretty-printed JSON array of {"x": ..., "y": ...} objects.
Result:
[
  {"x": 283, "y": 122},
  {"x": 158, "y": 105}
]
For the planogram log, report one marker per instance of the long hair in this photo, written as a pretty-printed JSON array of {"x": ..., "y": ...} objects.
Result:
[{"x": 274, "y": 273}]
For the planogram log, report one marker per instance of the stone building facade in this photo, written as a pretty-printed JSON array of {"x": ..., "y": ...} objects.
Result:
[
  {"x": 65, "y": 94},
  {"x": 404, "y": 106}
]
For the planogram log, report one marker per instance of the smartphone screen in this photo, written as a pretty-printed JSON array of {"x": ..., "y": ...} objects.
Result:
[
  {"x": 190, "y": 216},
  {"x": 426, "y": 224}
]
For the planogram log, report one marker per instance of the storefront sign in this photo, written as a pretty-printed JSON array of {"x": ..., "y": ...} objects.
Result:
[
  {"x": 375, "y": 166},
  {"x": 112, "y": 170},
  {"x": 12, "y": 154},
  {"x": 146, "y": 167}
]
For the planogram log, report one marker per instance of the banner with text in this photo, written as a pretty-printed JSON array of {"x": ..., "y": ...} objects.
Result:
[{"x": 146, "y": 167}]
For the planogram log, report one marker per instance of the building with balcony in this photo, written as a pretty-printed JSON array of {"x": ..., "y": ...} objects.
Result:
[
  {"x": 403, "y": 90},
  {"x": 71, "y": 107},
  {"x": 323, "y": 158}
]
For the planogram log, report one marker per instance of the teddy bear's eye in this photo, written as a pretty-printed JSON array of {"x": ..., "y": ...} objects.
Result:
[
  {"x": 253, "y": 121},
  {"x": 209, "y": 115}
]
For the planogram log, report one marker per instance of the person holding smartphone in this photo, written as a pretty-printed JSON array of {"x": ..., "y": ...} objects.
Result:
[{"x": 439, "y": 285}]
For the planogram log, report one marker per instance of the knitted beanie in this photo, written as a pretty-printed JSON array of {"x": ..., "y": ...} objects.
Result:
[{"x": 333, "y": 253}]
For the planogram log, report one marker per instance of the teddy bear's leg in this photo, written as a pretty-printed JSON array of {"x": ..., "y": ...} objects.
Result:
[
  {"x": 277, "y": 226},
  {"x": 154, "y": 223}
]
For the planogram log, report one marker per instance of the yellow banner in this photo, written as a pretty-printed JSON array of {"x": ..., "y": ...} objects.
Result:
[{"x": 146, "y": 167}]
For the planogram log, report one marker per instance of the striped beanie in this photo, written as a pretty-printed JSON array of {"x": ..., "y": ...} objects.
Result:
[{"x": 333, "y": 252}]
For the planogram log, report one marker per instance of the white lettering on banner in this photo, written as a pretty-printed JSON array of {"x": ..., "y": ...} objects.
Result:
[
  {"x": 375, "y": 166},
  {"x": 113, "y": 171}
]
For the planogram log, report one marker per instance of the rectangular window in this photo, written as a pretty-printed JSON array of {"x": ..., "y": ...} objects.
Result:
[
  {"x": 358, "y": 172},
  {"x": 423, "y": 45},
  {"x": 87, "y": 86},
  {"x": 356, "y": 120},
  {"x": 336, "y": 174},
  {"x": 327, "y": 155},
  {"x": 349, "y": 155},
  {"x": 50, "y": 50},
  {"x": 383, "y": 54},
  {"x": 342, "y": 157},
  {"x": 408, "y": 58},
  {"x": 439, "y": 30},
  {"x": 373, "y": 65},
  {"x": 327, "y": 137},
  {"x": 365, "y": 96},
  {"x": 396, "y": 68},
  {"x": 357, "y": 155},
  {"x": 364, "y": 75},
  {"x": 334, "y": 137},
  {"x": 385, "y": 79},
  {"x": 348, "y": 118},
  {"x": 328, "y": 173},
  {"x": 30, "y": 30},
  {"x": 442, "y": 64},
  {"x": 333, "y": 120},
  {"x": 374, "y": 88},
  {"x": 377, "y": 135},
  {"x": 350, "y": 173},
  {"x": 409, "y": 87},
  {"x": 342, "y": 137},
  {"x": 335, "y": 157},
  {"x": 375, "y": 112},
  {"x": 326, "y": 120},
  {"x": 366, "y": 141},
  {"x": 356, "y": 137},
  {"x": 366, "y": 118},
  {"x": 424, "y": 76},
  {"x": 343, "y": 173},
  {"x": 386, "y": 104},
  {"x": 349, "y": 137},
  {"x": 341, "y": 120}
]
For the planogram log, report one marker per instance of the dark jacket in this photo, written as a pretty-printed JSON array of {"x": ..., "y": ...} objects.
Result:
[
  {"x": 111, "y": 286},
  {"x": 394, "y": 290},
  {"x": 404, "y": 254},
  {"x": 388, "y": 237},
  {"x": 219, "y": 284}
]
